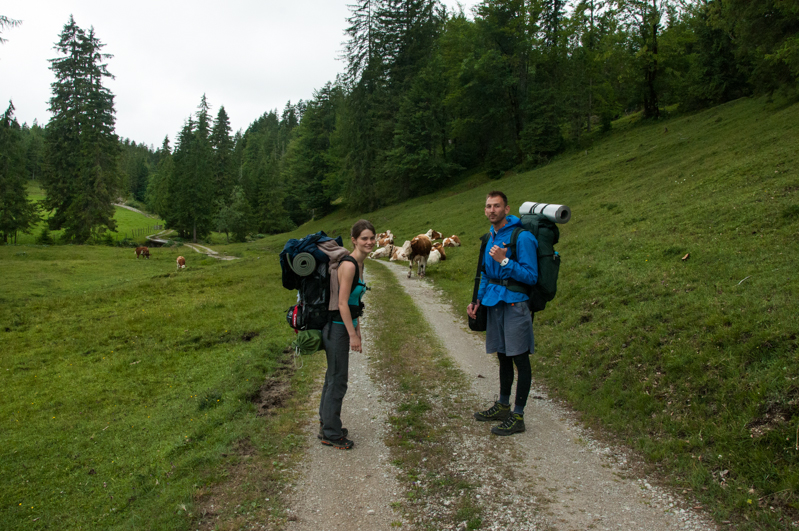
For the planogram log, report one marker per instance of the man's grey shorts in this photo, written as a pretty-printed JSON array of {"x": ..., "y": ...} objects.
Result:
[{"x": 509, "y": 329}]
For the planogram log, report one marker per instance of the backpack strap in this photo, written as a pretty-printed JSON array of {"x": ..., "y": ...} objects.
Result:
[
  {"x": 357, "y": 271},
  {"x": 355, "y": 311},
  {"x": 484, "y": 239},
  {"x": 509, "y": 283}
]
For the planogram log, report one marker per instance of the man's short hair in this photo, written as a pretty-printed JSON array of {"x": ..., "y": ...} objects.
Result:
[{"x": 497, "y": 193}]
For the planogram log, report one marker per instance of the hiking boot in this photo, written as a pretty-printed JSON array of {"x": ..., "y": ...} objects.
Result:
[
  {"x": 341, "y": 444},
  {"x": 496, "y": 412},
  {"x": 321, "y": 434},
  {"x": 513, "y": 424}
]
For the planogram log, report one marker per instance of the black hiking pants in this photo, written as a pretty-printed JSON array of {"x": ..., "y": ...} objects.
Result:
[{"x": 336, "y": 342}]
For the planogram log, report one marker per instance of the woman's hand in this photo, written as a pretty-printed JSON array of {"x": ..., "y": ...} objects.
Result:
[{"x": 355, "y": 342}]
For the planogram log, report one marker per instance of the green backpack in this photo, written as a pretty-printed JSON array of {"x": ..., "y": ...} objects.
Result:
[{"x": 547, "y": 234}]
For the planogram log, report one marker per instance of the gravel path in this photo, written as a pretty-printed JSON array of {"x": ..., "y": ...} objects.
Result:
[
  {"x": 554, "y": 476},
  {"x": 587, "y": 484},
  {"x": 349, "y": 489}
]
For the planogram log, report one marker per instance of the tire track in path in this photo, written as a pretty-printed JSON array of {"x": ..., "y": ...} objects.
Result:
[{"x": 587, "y": 485}]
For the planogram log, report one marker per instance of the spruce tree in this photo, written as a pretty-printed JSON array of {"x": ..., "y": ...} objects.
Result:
[
  {"x": 82, "y": 150},
  {"x": 6, "y": 22},
  {"x": 191, "y": 190},
  {"x": 222, "y": 144},
  {"x": 157, "y": 196},
  {"x": 17, "y": 213}
]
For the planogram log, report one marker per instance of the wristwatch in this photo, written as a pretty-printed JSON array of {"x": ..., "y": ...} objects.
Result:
[{"x": 504, "y": 262}]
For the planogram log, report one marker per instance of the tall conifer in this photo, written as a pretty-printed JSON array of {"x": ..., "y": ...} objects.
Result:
[{"x": 81, "y": 180}]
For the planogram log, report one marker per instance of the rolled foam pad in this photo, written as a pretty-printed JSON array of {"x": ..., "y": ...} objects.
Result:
[
  {"x": 555, "y": 213},
  {"x": 303, "y": 264}
]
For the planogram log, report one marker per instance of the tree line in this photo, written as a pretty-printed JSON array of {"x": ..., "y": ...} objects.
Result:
[{"x": 425, "y": 95}]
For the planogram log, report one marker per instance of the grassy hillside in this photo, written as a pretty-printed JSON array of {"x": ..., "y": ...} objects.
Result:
[
  {"x": 692, "y": 362},
  {"x": 130, "y": 225}
]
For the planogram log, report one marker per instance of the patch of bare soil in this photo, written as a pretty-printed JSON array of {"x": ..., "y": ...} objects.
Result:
[{"x": 275, "y": 390}]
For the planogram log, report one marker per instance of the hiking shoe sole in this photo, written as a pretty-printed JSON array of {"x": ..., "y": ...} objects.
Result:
[{"x": 341, "y": 444}]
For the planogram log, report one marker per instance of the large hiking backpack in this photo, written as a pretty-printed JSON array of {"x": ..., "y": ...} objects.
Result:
[
  {"x": 305, "y": 268},
  {"x": 547, "y": 234}
]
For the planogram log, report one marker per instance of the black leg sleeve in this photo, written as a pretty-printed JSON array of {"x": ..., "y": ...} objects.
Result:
[
  {"x": 505, "y": 373},
  {"x": 525, "y": 378}
]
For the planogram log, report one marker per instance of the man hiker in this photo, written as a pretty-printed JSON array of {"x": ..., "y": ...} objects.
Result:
[{"x": 509, "y": 329}]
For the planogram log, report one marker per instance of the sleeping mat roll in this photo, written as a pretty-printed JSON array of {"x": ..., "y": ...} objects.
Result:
[
  {"x": 555, "y": 213},
  {"x": 303, "y": 264}
]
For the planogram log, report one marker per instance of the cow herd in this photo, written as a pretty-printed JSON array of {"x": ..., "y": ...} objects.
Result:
[
  {"x": 144, "y": 252},
  {"x": 421, "y": 251}
]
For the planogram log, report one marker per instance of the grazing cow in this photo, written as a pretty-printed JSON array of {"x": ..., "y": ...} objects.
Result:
[
  {"x": 438, "y": 246},
  {"x": 181, "y": 262},
  {"x": 144, "y": 252},
  {"x": 433, "y": 234},
  {"x": 452, "y": 241},
  {"x": 420, "y": 251},
  {"x": 383, "y": 252}
]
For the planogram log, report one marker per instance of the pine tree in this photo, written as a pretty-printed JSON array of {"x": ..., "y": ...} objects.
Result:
[
  {"x": 222, "y": 144},
  {"x": 157, "y": 196},
  {"x": 6, "y": 22},
  {"x": 17, "y": 213},
  {"x": 82, "y": 149},
  {"x": 191, "y": 190}
]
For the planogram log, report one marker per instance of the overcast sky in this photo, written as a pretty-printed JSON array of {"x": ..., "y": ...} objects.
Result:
[{"x": 251, "y": 56}]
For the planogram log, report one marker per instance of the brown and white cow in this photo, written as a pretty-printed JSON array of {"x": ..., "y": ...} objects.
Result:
[
  {"x": 384, "y": 238},
  {"x": 433, "y": 234},
  {"x": 401, "y": 253},
  {"x": 181, "y": 262},
  {"x": 420, "y": 252},
  {"x": 452, "y": 241},
  {"x": 383, "y": 252},
  {"x": 438, "y": 246},
  {"x": 142, "y": 251}
]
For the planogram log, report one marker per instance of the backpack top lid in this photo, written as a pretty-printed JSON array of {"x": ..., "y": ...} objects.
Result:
[{"x": 544, "y": 230}]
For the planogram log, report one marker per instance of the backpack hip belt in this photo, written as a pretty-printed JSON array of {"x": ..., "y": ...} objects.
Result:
[{"x": 511, "y": 284}]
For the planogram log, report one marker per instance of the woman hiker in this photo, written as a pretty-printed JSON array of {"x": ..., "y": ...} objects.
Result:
[{"x": 342, "y": 333}]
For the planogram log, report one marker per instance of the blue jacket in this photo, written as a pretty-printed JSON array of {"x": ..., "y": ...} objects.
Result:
[{"x": 523, "y": 267}]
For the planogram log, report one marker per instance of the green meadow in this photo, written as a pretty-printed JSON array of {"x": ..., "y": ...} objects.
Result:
[
  {"x": 132, "y": 391},
  {"x": 131, "y": 226}
]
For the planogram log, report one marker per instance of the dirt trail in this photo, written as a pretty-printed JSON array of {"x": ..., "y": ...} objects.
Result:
[
  {"x": 587, "y": 484},
  {"x": 350, "y": 489},
  {"x": 196, "y": 247}
]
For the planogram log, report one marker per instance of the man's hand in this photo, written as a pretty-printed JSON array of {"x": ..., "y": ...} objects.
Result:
[
  {"x": 471, "y": 310},
  {"x": 498, "y": 253}
]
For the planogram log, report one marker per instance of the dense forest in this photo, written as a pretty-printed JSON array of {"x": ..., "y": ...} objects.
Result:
[{"x": 424, "y": 96}]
